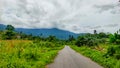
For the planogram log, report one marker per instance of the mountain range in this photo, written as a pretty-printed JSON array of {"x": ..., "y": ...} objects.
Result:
[{"x": 45, "y": 32}]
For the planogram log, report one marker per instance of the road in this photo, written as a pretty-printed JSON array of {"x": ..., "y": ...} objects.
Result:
[{"x": 68, "y": 58}]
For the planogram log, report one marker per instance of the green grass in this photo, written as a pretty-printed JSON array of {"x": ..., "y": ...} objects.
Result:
[
  {"x": 27, "y": 54},
  {"x": 98, "y": 56}
]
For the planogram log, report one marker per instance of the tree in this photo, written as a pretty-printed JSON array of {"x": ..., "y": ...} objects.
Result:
[
  {"x": 115, "y": 38},
  {"x": 102, "y": 35},
  {"x": 80, "y": 41},
  {"x": 9, "y": 33},
  {"x": 112, "y": 38},
  {"x": 95, "y": 31},
  {"x": 71, "y": 38},
  {"x": 51, "y": 38},
  {"x": 86, "y": 40},
  {"x": 10, "y": 28}
]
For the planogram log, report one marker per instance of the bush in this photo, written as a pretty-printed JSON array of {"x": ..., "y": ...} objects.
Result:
[
  {"x": 114, "y": 38},
  {"x": 111, "y": 51},
  {"x": 114, "y": 51},
  {"x": 83, "y": 40}
]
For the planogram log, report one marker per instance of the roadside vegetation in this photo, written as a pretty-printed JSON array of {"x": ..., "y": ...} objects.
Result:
[
  {"x": 27, "y": 54},
  {"x": 19, "y": 50},
  {"x": 98, "y": 56},
  {"x": 102, "y": 48}
]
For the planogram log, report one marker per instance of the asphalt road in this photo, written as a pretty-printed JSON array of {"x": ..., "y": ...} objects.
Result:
[{"x": 68, "y": 58}]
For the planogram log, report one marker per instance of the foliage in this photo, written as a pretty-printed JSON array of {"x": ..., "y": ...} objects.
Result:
[
  {"x": 97, "y": 56},
  {"x": 91, "y": 39},
  {"x": 9, "y": 32},
  {"x": 114, "y": 38},
  {"x": 71, "y": 38},
  {"x": 27, "y": 54},
  {"x": 51, "y": 38},
  {"x": 10, "y": 28},
  {"x": 102, "y": 35},
  {"x": 84, "y": 40},
  {"x": 40, "y": 50},
  {"x": 8, "y": 35},
  {"x": 113, "y": 51}
]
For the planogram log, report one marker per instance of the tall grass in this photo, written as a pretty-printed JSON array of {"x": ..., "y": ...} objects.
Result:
[
  {"x": 27, "y": 54},
  {"x": 98, "y": 56}
]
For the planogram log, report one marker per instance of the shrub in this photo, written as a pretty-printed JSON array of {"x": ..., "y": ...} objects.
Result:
[
  {"x": 111, "y": 51},
  {"x": 83, "y": 40},
  {"x": 114, "y": 51}
]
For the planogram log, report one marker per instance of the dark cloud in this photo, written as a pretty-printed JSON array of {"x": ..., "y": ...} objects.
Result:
[
  {"x": 105, "y": 7},
  {"x": 113, "y": 8},
  {"x": 93, "y": 27},
  {"x": 111, "y": 25}
]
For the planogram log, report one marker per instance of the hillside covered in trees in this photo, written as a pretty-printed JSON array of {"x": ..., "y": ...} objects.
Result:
[{"x": 44, "y": 32}]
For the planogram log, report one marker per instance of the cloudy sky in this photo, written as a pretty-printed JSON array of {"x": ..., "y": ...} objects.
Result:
[{"x": 77, "y": 16}]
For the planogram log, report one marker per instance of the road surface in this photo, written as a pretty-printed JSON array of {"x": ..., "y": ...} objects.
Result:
[{"x": 68, "y": 58}]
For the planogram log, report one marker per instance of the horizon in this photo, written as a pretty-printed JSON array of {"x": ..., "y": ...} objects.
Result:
[
  {"x": 41, "y": 29},
  {"x": 52, "y": 29}
]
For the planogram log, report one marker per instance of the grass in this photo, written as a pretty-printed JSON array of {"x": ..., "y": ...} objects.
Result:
[
  {"x": 27, "y": 54},
  {"x": 97, "y": 55}
]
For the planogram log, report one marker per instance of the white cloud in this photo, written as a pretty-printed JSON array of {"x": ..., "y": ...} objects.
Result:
[{"x": 74, "y": 15}]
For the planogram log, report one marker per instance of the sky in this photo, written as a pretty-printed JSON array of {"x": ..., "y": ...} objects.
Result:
[{"x": 78, "y": 16}]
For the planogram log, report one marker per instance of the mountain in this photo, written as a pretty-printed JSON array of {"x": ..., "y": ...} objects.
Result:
[
  {"x": 2, "y": 27},
  {"x": 61, "y": 34}
]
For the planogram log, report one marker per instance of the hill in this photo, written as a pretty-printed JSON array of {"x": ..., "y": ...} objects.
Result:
[{"x": 45, "y": 32}]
